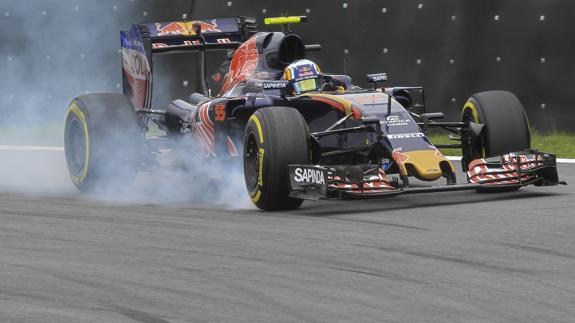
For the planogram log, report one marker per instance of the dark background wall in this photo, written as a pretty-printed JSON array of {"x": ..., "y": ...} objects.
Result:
[{"x": 51, "y": 51}]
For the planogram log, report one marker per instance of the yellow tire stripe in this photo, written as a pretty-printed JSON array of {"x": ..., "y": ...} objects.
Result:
[
  {"x": 471, "y": 106},
  {"x": 255, "y": 119},
  {"x": 258, "y": 194},
  {"x": 76, "y": 110},
  {"x": 256, "y": 197},
  {"x": 261, "y": 170}
]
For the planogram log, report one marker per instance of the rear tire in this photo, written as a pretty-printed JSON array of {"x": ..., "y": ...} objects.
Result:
[
  {"x": 102, "y": 142},
  {"x": 506, "y": 127},
  {"x": 274, "y": 138}
]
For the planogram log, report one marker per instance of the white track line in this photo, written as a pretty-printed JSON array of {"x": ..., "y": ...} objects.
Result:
[
  {"x": 32, "y": 148},
  {"x": 47, "y": 148}
]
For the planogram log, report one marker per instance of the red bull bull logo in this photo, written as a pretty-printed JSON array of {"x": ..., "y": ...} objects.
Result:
[
  {"x": 173, "y": 28},
  {"x": 398, "y": 156},
  {"x": 186, "y": 28},
  {"x": 213, "y": 27}
]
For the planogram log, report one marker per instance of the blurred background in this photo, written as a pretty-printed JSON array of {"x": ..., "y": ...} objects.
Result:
[{"x": 52, "y": 51}]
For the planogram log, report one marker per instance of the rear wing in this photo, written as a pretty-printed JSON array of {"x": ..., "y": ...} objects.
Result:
[
  {"x": 220, "y": 33},
  {"x": 144, "y": 39}
]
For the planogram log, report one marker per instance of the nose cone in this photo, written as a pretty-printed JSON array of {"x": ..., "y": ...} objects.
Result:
[{"x": 425, "y": 165}]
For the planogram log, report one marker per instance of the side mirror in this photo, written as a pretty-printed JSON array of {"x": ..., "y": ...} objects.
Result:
[
  {"x": 409, "y": 97},
  {"x": 312, "y": 48},
  {"x": 375, "y": 78},
  {"x": 431, "y": 116},
  {"x": 425, "y": 117}
]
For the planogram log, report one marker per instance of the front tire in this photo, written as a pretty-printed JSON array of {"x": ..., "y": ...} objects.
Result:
[
  {"x": 275, "y": 137},
  {"x": 102, "y": 142},
  {"x": 506, "y": 127}
]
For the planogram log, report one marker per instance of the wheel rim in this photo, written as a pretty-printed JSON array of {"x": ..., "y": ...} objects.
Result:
[
  {"x": 251, "y": 163},
  {"x": 76, "y": 148}
]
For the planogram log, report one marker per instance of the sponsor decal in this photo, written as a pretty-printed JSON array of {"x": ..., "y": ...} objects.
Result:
[
  {"x": 273, "y": 85},
  {"x": 377, "y": 77},
  {"x": 395, "y": 120},
  {"x": 136, "y": 71},
  {"x": 173, "y": 28},
  {"x": 406, "y": 135},
  {"x": 213, "y": 26},
  {"x": 186, "y": 28},
  {"x": 309, "y": 176},
  {"x": 304, "y": 72}
]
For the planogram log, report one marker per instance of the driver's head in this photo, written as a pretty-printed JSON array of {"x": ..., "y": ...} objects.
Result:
[{"x": 303, "y": 75}]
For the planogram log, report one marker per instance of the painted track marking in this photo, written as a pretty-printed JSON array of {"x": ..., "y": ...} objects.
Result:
[{"x": 31, "y": 148}]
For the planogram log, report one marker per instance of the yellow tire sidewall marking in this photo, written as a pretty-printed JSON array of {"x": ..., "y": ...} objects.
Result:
[
  {"x": 256, "y": 121},
  {"x": 78, "y": 112},
  {"x": 261, "y": 170},
  {"x": 256, "y": 197},
  {"x": 471, "y": 106}
]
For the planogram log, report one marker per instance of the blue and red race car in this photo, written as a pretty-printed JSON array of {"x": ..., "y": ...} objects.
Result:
[{"x": 299, "y": 132}]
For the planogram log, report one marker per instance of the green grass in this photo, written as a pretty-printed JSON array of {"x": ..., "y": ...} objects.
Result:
[
  {"x": 560, "y": 143},
  {"x": 442, "y": 139}
]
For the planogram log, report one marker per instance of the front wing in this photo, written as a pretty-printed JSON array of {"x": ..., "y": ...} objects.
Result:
[
  {"x": 513, "y": 170},
  {"x": 516, "y": 168}
]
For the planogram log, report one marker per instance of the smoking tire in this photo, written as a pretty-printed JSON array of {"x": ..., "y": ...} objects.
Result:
[
  {"x": 506, "y": 126},
  {"x": 274, "y": 138},
  {"x": 102, "y": 142}
]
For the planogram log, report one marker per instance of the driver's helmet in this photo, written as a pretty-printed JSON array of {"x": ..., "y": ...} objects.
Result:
[{"x": 303, "y": 75}]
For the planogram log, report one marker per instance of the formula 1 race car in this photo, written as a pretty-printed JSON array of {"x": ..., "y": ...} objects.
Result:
[{"x": 300, "y": 133}]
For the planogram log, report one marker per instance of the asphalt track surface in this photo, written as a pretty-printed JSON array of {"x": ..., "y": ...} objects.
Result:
[{"x": 444, "y": 257}]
